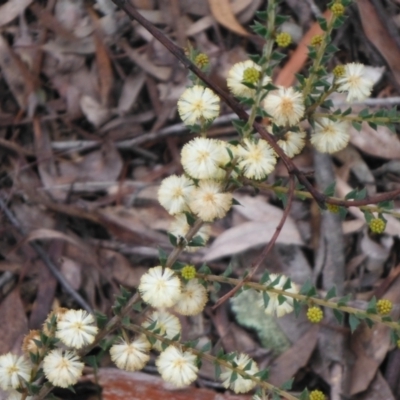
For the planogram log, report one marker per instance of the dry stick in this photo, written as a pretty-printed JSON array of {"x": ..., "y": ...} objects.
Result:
[
  {"x": 46, "y": 259},
  {"x": 267, "y": 249},
  {"x": 320, "y": 198}
]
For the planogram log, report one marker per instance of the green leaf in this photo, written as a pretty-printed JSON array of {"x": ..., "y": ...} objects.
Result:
[
  {"x": 323, "y": 23},
  {"x": 173, "y": 239},
  {"x": 276, "y": 56},
  {"x": 368, "y": 216},
  {"x": 101, "y": 319},
  {"x": 356, "y": 125},
  {"x": 344, "y": 300},
  {"x": 265, "y": 299},
  {"x": 347, "y": 112},
  {"x": 297, "y": 307},
  {"x": 234, "y": 376},
  {"x": 190, "y": 218},
  {"x": 354, "y": 322},
  {"x": 287, "y": 385},
  {"x": 330, "y": 190},
  {"x": 308, "y": 289},
  {"x": 197, "y": 241},
  {"x": 387, "y": 205},
  {"x": 305, "y": 394},
  {"x": 338, "y": 315},
  {"x": 281, "y": 299},
  {"x": 331, "y": 293},
  {"x": 288, "y": 284},
  {"x": 235, "y": 202},
  {"x": 205, "y": 269},
  {"x": 263, "y": 374},
  {"x": 265, "y": 277},
  {"x": 362, "y": 194},
  {"x": 216, "y": 286},
  {"x": 217, "y": 371},
  {"x": 207, "y": 347},
  {"x": 92, "y": 361},
  {"x": 162, "y": 256},
  {"x": 364, "y": 113},
  {"x": 229, "y": 270}
]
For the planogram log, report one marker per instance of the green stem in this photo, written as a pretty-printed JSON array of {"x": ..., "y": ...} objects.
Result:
[
  {"x": 303, "y": 298},
  {"x": 318, "y": 58},
  {"x": 215, "y": 360}
]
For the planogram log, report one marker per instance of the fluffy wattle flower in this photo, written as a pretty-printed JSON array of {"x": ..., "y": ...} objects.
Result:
[
  {"x": 179, "y": 228},
  {"x": 330, "y": 136},
  {"x": 273, "y": 307},
  {"x": 131, "y": 356},
  {"x": 256, "y": 159},
  {"x": 198, "y": 104},
  {"x": 166, "y": 324},
  {"x": 160, "y": 287},
  {"x": 209, "y": 202},
  {"x": 292, "y": 143},
  {"x": 177, "y": 367},
  {"x": 62, "y": 368},
  {"x": 202, "y": 158},
  {"x": 174, "y": 193},
  {"x": 285, "y": 106},
  {"x": 76, "y": 328},
  {"x": 235, "y": 79},
  {"x": 13, "y": 371},
  {"x": 192, "y": 299},
  {"x": 240, "y": 384},
  {"x": 355, "y": 82}
]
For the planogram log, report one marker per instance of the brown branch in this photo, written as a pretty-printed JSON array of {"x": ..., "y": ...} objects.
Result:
[
  {"x": 257, "y": 263},
  {"x": 321, "y": 198},
  {"x": 229, "y": 100}
]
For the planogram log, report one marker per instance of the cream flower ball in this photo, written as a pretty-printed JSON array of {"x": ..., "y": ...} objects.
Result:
[
  {"x": 198, "y": 104},
  {"x": 167, "y": 324},
  {"x": 76, "y": 328},
  {"x": 235, "y": 79},
  {"x": 13, "y": 371},
  {"x": 355, "y": 82},
  {"x": 256, "y": 159},
  {"x": 240, "y": 384},
  {"x": 330, "y": 136},
  {"x": 273, "y": 307},
  {"x": 209, "y": 202},
  {"x": 174, "y": 193},
  {"x": 160, "y": 287},
  {"x": 177, "y": 367},
  {"x": 285, "y": 106},
  {"x": 203, "y": 158},
  {"x": 62, "y": 368},
  {"x": 193, "y": 298},
  {"x": 179, "y": 228},
  {"x": 132, "y": 356},
  {"x": 292, "y": 143}
]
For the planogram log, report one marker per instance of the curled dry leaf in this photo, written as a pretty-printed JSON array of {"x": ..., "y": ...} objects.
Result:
[
  {"x": 264, "y": 220},
  {"x": 11, "y": 9},
  {"x": 222, "y": 12}
]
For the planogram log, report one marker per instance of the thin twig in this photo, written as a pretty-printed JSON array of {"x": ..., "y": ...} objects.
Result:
[
  {"x": 257, "y": 263},
  {"x": 46, "y": 259}
]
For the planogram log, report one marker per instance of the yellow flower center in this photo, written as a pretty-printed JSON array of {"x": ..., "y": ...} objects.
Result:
[{"x": 287, "y": 106}]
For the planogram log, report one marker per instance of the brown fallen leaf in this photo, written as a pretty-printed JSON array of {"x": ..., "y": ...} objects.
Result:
[
  {"x": 13, "y": 321},
  {"x": 11, "y": 9},
  {"x": 118, "y": 384},
  {"x": 222, "y": 12},
  {"x": 370, "y": 346},
  {"x": 296, "y": 357},
  {"x": 382, "y": 142},
  {"x": 286, "y": 76},
  {"x": 378, "y": 34}
]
